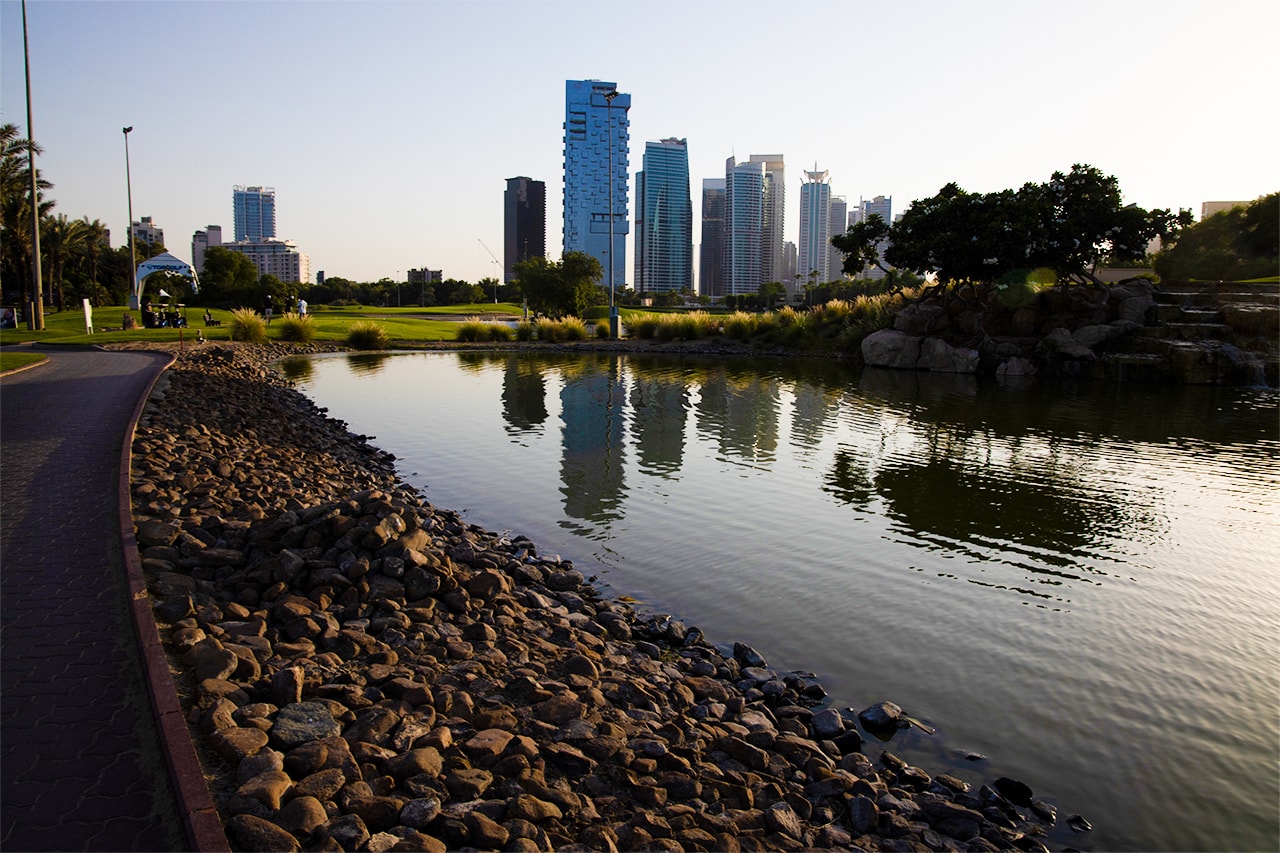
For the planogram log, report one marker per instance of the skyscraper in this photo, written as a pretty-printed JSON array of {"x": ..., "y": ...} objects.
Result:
[
  {"x": 524, "y": 223},
  {"x": 664, "y": 223},
  {"x": 882, "y": 205},
  {"x": 835, "y": 258},
  {"x": 772, "y": 217},
  {"x": 595, "y": 145},
  {"x": 711, "y": 259},
  {"x": 815, "y": 224},
  {"x": 255, "y": 212},
  {"x": 743, "y": 226}
]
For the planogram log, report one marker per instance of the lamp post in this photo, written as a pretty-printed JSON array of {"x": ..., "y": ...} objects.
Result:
[
  {"x": 35, "y": 315},
  {"x": 133, "y": 261},
  {"x": 613, "y": 305}
]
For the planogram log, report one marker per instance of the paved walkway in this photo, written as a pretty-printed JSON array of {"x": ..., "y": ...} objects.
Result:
[{"x": 84, "y": 762}]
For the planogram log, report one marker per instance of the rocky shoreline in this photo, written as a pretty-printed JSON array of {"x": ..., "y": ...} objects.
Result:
[{"x": 364, "y": 671}]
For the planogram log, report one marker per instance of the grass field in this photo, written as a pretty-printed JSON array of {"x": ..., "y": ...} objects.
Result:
[
  {"x": 403, "y": 325},
  {"x": 14, "y": 360}
]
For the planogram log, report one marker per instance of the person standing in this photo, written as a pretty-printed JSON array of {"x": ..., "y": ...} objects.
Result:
[
  {"x": 302, "y": 307},
  {"x": 267, "y": 308}
]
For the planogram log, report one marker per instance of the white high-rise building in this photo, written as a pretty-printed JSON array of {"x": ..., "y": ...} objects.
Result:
[
  {"x": 835, "y": 258},
  {"x": 815, "y": 226},
  {"x": 743, "y": 226},
  {"x": 772, "y": 216},
  {"x": 200, "y": 243}
]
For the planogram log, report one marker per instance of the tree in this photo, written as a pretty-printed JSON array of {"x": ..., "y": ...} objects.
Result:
[
  {"x": 15, "y": 205},
  {"x": 564, "y": 288},
  {"x": 1069, "y": 224},
  {"x": 60, "y": 240},
  {"x": 1240, "y": 243},
  {"x": 770, "y": 292},
  {"x": 863, "y": 244},
  {"x": 229, "y": 279}
]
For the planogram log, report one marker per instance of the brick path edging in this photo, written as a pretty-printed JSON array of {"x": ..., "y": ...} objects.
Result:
[{"x": 201, "y": 821}]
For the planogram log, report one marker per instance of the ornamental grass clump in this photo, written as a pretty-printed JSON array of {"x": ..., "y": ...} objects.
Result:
[
  {"x": 559, "y": 331},
  {"x": 249, "y": 326},
  {"x": 367, "y": 335},
  {"x": 298, "y": 328},
  {"x": 740, "y": 325},
  {"x": 500, "y": 332},
  {"x": 471, "y": 330},
  {"x": 524, "y": 331},
  {"x": 642, "y": 326}
]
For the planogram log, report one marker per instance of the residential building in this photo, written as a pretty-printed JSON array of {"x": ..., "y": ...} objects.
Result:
[
  {"x": 711, "y": 258},
  {"x": 200, "y": 243},
  {"x": 743, "y": 226},
  {"x": 772, "y": 216},
  {"x": 279, "y": 258},
  {"x": 145, "y": 231},
  {"x": 664, "y": 219},
  {"x": 425, "y": 276},
  {"x": 595, "y": 175},
  {"x": 255, "y": 212},
  {"x": 524, "y": 223},
  {"x": 790, "y": 262},
  {"x": 815, "y": 226},
  {"x": 1209, "y": 208},
  {"x": 837, "y": 218}
]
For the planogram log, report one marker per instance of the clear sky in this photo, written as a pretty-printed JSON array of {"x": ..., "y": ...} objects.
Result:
[{"x": 388, "y": 129}]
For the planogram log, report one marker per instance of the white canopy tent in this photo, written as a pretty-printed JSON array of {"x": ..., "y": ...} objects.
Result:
[{"x": 161, "y": 263}]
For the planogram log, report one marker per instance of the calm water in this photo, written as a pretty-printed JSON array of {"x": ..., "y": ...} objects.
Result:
[{"x": 1078, "y": 582}]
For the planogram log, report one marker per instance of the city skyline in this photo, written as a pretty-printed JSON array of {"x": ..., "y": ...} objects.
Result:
[{"x": 401, "y": 164}]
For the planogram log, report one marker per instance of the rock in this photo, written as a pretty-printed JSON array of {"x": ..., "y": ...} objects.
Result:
[
  {"x": 1078, "y": 823},
  {"x": 882, "y": 716},
  {"x": 417, "y": 814},
  {"x": 486, "y": 833},
  {"x": 891, "y": 348},
  {"x": 300, "y": 816},
  {"x": 251, "y": 833},
  {"x": 747, "y": 656},
  {"x": 303, "y": 722},
  {"x": 1014, "y": 791},
  {"x": 780, "y": 817},
  {"x": 827, "y": 724},
  {"x": 937, "y": 356}
]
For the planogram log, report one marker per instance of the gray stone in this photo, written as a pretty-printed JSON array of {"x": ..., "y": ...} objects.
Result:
[{"x": 303, "y": 722}]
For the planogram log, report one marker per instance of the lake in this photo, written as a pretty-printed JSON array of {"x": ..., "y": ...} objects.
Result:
[{"x": 1077, "y": 581}]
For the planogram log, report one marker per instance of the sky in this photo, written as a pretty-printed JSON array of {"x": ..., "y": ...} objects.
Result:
[{"x": 388, "y": 129}]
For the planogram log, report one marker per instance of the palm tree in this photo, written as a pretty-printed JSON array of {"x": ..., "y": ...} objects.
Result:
[
  {"x": 61, "y": 240},
  {"x": 89, "y": 255},
  {"x": 15, "y": 203}
]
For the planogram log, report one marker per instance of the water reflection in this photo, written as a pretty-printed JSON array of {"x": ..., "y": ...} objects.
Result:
[
  {"x": 524, "y": 394},
  {"x": 367, "y": 363},
  {"x": 297, "y": 368},
  {"x": 738, "y": 410},
  {"x": 591, "y": 473}
]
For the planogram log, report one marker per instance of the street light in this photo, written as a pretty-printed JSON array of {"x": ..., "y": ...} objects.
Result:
[
  {"x": 35, "y": 315},
  {"x": 613, "y": 305},
  {"x": 133, "y": 261}
]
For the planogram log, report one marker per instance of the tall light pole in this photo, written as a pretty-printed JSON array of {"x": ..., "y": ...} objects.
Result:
[
  {"x": 133, "y": 261},
  {"x": 35, "y": 316},
  {"x": 613, "y": 305}
]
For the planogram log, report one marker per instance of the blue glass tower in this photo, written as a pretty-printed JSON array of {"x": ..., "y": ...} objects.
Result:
[
  {"x": 255, "y": 213},
  {"x": 664, "y": 224},
  {"x": 595, "y": 144}
]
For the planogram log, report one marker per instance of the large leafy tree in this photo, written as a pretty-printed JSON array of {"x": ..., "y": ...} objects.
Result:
[
  {"x": 1069, "y": 224},
  {"x": 564, "y": 288},
  {"x": 229, "y": 279},
  {"x": 1240, "y": 243}
]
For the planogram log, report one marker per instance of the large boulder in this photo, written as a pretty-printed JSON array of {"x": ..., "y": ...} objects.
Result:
[{"x": 891, "y": 348}]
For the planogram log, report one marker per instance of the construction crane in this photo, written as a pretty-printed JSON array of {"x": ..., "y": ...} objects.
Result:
[{"x": 498, "y": 278}]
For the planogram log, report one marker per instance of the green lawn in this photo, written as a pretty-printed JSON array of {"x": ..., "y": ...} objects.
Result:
[
  {"x": 14, "y": 360},
  {"x": 405, "y": 325}
]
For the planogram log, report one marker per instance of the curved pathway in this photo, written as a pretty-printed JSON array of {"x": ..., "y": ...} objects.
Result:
[{"x": 94, "y": 754}]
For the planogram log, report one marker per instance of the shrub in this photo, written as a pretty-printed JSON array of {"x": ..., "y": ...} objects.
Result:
[
  {"x": 602, "y": 329},
  {"x": 299, "y": 328},
  {"x": 642, "y": 326},
  {"x": 248, "y": 325},
  {"x": 574, "y": 329},
  {"x": 500, "y": 332},
  {"x": 740, "y": 325},
  {"x": 547, "y": 330},
  {"x": 472, "y": 330},
  {"x": 367, "y": 335},
  {"x": 524, "y": 331}
]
